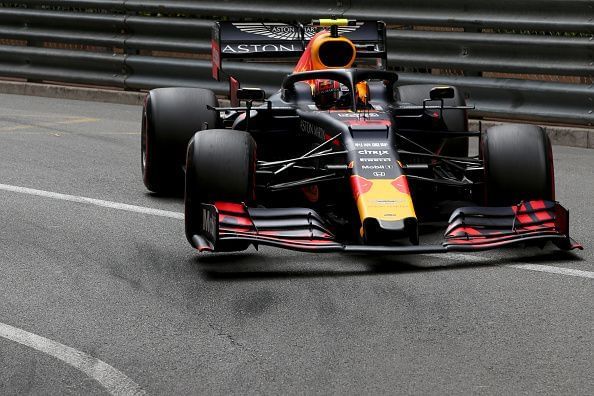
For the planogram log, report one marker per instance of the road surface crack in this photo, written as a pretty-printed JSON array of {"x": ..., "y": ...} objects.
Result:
[{"x": 219, "y": 332}]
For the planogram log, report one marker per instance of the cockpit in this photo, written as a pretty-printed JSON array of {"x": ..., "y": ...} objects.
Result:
[{"x": 327, "y": 51}]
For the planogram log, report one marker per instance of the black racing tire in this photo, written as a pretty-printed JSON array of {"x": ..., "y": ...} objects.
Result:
[
  {"x": 170, "y": 117},
  {"x": 455, "y": 120},
  {"x": 220, "y": 166},
  {"x": 518, "y": 164}
]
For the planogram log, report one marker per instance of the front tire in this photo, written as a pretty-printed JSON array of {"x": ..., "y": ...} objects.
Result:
[
  {"x": 220, "y": 166},
  {"x": 518, "y": 164}
]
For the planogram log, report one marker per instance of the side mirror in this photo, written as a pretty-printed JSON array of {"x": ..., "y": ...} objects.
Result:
[
  {"x": 251, "y": 94},
  {"x": 440, "y": 93}
]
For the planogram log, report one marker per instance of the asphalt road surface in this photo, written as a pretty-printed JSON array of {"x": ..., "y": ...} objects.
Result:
[{"x": 99, "y": 298}]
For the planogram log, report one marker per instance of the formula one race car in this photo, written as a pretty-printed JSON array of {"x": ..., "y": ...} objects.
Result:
[{"x": 342, "y": 158}]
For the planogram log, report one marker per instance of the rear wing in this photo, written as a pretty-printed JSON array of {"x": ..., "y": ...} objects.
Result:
[{"x": 274, "y": 40}]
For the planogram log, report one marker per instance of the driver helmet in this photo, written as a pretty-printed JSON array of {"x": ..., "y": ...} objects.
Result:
[{"x": 322, "y": 53}]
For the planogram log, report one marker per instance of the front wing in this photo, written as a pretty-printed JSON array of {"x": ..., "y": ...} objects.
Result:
[{"x": 470, "y": 229}]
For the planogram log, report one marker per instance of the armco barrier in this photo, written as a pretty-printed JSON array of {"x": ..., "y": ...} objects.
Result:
[{"x": 487, "y": 51}]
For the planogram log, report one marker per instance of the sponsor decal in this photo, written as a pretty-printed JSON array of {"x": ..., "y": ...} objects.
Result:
[
  {"x": 278, "y": 31},
  {"x": 376, "y": 159},
  {"x": 374, "y": 152},
  {"x": 376, "y": 167},
  {"x": 358, "y": 115},
  {"x": 209, "y": 223},
  {"x": 311, "y": 129},
  {"x": 283, "y": 31},
  {"x": 254, "y": 48},
  {"x": 371, "y": 144},
  {"x": 385, "y": 201}
]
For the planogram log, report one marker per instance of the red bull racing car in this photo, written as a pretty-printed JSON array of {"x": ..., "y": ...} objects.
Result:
[{"x": 342, "y": 158}]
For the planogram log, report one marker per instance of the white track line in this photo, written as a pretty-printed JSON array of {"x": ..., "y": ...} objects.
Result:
[
  {"x": 92, "y": 201},
  {"x": 114, "y": 381},
  {"x": 459, "y": 256},
  {"x": 177, "y": 215},
  {"x": 530, "y": 267},
  {"x": 554, "y": 270}
]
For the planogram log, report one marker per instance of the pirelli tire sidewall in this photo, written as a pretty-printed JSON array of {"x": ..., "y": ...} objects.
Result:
[
  {"x": 170, "y": 118},
  {"x": 518, "y": 163},
  {"x": 220, "y": 166}
]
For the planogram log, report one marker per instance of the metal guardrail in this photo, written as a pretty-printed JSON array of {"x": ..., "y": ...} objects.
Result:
[{"x": 139, "y": 44}]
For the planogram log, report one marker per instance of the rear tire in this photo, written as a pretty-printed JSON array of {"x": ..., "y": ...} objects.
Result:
[
  {"x": 220, "y": 166},
  {"x": 170, "y": 118},
  {"x": 455, "y": 120},
  {"x": 518, "y": 164}
]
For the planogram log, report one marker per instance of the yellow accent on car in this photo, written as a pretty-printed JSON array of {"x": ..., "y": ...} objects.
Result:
[
  {"x": 326, "y": 40},
  {"x": 384, "y": 202},
  {"x": 334, "y": 22}
]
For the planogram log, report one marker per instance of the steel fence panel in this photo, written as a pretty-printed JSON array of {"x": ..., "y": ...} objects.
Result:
[
  {"x": 508, "y": 53},
  {"x": 542, "y": 15},
  {"x": 139, "y": 44},
  {"x": 48, "y": 64}
]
